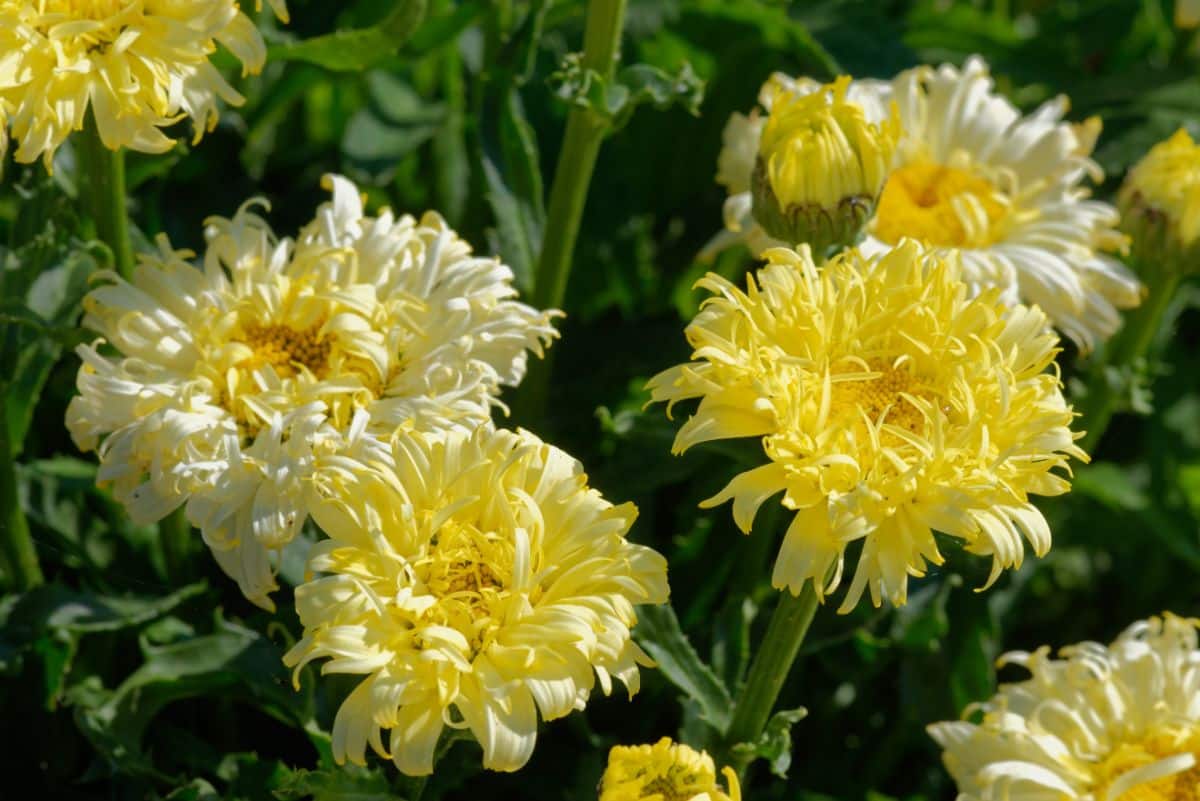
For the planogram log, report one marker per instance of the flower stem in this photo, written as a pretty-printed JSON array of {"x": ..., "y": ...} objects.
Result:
[
  {"x": 176, "y": 534},
  {"x": 102, "y": 190},
  {"x": 770, "y": 668},
  {"x": 568, "y": 194},
  {"x": 20, "y": 557},
  {"x": 1131, "y": 343}
]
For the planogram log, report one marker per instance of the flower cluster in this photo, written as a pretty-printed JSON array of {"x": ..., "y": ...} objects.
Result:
[
  {"x": 972, "y": 176},
  {"x": 232, "y": 377},
  {"x": 136, "y": 67},
  {"x": 902, "y": 385}
]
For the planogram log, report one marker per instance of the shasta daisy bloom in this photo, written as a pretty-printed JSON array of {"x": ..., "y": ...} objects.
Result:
[
  {"x": 473, "y": 581},
  {"x": 665, "y": 771},
  {"x": 1160, "y": 206},
  {"x": 228, "y": 379},
  {"x": 973, "y": 176},
  {"x": 1100, "y": 723},
  {"x": 138, "y": 65},
  {"x": 890, "y": 404}
]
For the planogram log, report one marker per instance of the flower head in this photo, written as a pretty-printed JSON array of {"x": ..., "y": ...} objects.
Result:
[
  {"x": 474, "y": 581},
  {"x": 138, "y": 65},
  {"x": 821, "y": 164},
  {"x": 1160, "y": 206},
  {"x": 1101, "y": 723},
  {"x": 665, "y": 771},
  {"x": 890, "y": 405},
  {"x": 230, "y": 379},
  {"x": 973, "y": 176}
]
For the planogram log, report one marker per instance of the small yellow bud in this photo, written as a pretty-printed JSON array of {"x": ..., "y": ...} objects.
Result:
[
  {"x": 1160, "y": 207},
  {"x": 821, "y": 166}
]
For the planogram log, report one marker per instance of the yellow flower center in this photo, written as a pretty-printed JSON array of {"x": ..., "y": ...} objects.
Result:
[
  {"x": 885, "y": 398},
  {"x": 1183, "y": 785},
  {"x": 677, "y": 785},
  {"x": 97, "y": 10},
  {"x": 941, "y": 206},
  {"x": 469, "y": 571},
  {"x": 285, "y": 349}
]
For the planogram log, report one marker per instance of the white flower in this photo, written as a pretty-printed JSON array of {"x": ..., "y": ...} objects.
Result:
[
  {"x": 1099, "y": 724},
  {"x": 974, "y": 176},
  {"x": 229, "y": 379}
]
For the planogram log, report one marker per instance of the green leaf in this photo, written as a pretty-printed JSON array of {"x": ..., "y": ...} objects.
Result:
[
  {"x": 1110, "y": 485},
  {"x": 356, "y": 50},
  {"x": 395, "y": 122},
  {"x": 659, "y": 634},
  {"x": 776, "y": 29},
  {"x": 195, "y": 790},
  {"x": 348, "y": 783},
  {"x": 515, "y": 191},
  {"x": 731, "y": 640},
  {"x": 43, "y": 282},
  {"x": 233, "y": 662},
  {"x": 614, "y": 103},
  {"x": 775, "y": 744},
  {"x": 57, "y": 608}
]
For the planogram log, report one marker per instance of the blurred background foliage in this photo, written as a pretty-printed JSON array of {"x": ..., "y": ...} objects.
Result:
[{"x": 121, "y": 683}]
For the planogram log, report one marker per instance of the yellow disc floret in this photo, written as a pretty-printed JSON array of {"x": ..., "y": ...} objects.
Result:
[
  {"x": 665, "y": 771},
  {"x": 940, "y": 205},
  {"x": 1101, "y": 723},
  {"x": 890, "y": 405},
  {"x": 473, "y": 581},
  {"x": 135, "y": 66}
]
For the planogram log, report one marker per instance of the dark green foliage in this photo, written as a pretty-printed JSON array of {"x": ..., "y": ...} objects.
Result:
[{"x": 118, "y": 684}]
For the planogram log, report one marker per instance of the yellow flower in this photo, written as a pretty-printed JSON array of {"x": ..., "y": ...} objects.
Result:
[
  {"x": 889, "y": 404},
  {"x": 665, "y": 771},
  {"x": 1115, "y": 723},
  {"x": 230, "y": 379},
  {"x": 821, "y": 165},
  {"x": 972, "y": 176},
  {"x": 474, "y": 581},
  {"x": 1160, "y": 206},
  {"x": 139, "y": 65}
]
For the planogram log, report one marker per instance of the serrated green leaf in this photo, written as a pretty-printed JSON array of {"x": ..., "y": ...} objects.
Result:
[
  {"x": 233, "y": 661},
  {"x": 659, "y": 634}
]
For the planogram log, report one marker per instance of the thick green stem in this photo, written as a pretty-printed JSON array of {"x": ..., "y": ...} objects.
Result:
[
  {"x": 102, "y": 188},
  {"x": 1130, "y": 344},
  {"x": 770, "y": 668},
  {"x": 20, "y": 557},
  {"x": 568, "y": 194}
]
